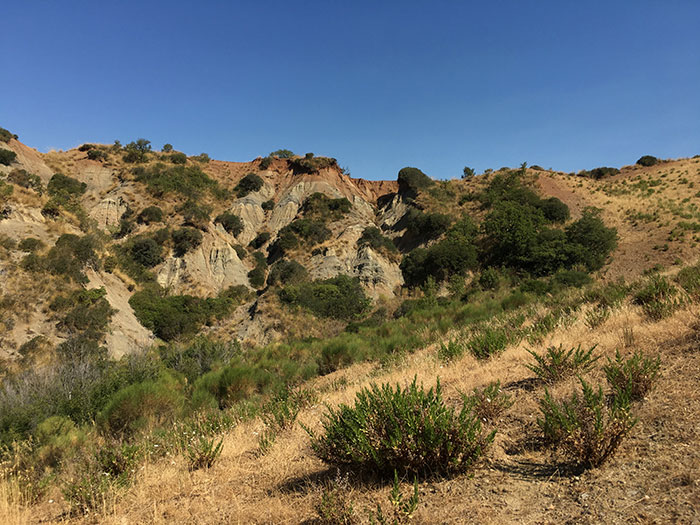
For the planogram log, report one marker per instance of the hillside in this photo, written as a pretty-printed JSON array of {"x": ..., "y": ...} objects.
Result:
[{"x": 152, "y": 300}]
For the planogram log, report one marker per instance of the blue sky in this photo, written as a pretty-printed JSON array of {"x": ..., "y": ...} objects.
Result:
[{"x": 378, "y": 85}]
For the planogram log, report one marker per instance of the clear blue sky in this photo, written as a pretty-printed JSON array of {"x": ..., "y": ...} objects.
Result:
[{"x": 378, "y": 85}]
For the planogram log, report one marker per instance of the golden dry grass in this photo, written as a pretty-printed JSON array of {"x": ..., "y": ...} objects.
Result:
[{"x": 517, "y": 483}]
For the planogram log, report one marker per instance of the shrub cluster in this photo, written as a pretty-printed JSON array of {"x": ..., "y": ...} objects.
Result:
[
  {"x": 150, "y": 215},
  {"x": 647, "y": 160},
  {"x": 372, "y": 237},
  {"x": 412, "y": 181},
  {"x": 256, "y": 277},
  {"x": 230, "y": 222},
  {"x": 286, "y": 272},
  {"x": 25, "y": 179},
  {"x": 248, "y": 184},
  {"x": 194, "y": 213},
  {"x": 7, "y": 136},
  {"x": 340, "y": 297},
  {"x": 311, "y": 164},
  {"x": 322, "y": 208},
  {"x": 137, "y": 151},
  {"x": 185, "y": 240},
  {"x": 408, "y": 430},
  {"x": 68, "y": 257},
  {"x": 188, "y": 181},
  {"x": 7, "y": 156},
  {"x": 599, "y": 173}
]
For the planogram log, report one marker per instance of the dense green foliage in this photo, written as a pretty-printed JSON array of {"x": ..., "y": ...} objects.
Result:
[
  {"x": 173, "y": 316},
  {"x": 340, "y": 297},
  {"x": 137, "y": 151},
  {"x": 647, "y": 160},
  {"x": 412, "y": 181},
  {"x": 61, "y": 185},
  {"x": 68, "y": 257},
  {"x": 25, "y": 179},
  {"x": 195, "y": 213},
  {"x": 230, "y": 222},
  {"x": 320, "y": 207},
  {"x": 248, "y": 184},
  {"x": 185, "y": 240},
  {"x": 372, "y": 237},
  {"x": 286, "y": 272},
  {"x": 599, "y": 173},
  {"x": 6, "y": 136},
  {"x": 150, "y": 215},
  {"x": 146, "y": 251},
  {"x": 188, "y": 181},
  {"x": 7, "y": 156},
  {"x": 408, "y": 430}
]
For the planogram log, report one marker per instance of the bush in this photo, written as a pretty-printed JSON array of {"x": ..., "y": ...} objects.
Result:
[
  {"x": 657, "y": 297},
  {"x": 590, "y": 241},
  {"x": 312, "y": 231},
  {"x": 489, "y": 402},
  {"x": 7, "y": 157},
  {"x": 150, "y": 215},
  {"x": 167, "y": 148},
  {"x": 412, "y": 181},
  {"x": 689, "y": 279},
  {"x": 256, "y": 277},
  {"x": 323, "y": 208},
  {"x": 25, "y": 179},
  {"x": 97, "y": 154},
  {"x": 554, "y": 210},
  {"x": 63, "y": 186},
  {"x": 194, "y": 213},
  {"x": 599, "y": 173},
  {"x": 286, "y": 272},
  {"x": 490, "y": 279},
  {"x": 407, "y": 430},
  {"x": 372, "y": 237},
  {"x": 70, "y": 255},
  {"x": 427, "y": 226},
  {"x": 282, "y": 154},
  {"x": 584, "y": 427},
  {"x": 141, "y": 406},
  {"x": 558, "y": 363},
  {"x": 146, "y": 251},
  {"x": 647, "y": 160},
  {"x": 203, "y": 452},
  {"x": 248, "y": 184},
  {"x": 632, "y": 378},
  {"x": 6, "y": 136},
  {"x": 340, "y": 297},
  {"x": 137, "y": 151},
  {"x": 198, "y": 357},
  {"x": 230, "y": 222},
  {"x": 202, "y": 157},
  {"x": 30, "y": 244},
  {"x": 84, "y": 311},
  {"x": 178, "y": 158},
  {"x": 268, "y": 205},
  {"x": 188, "y": 181},
  {"x": 487, "y": 342},
  {"x": 185, "y": 240},
  {"x": 260, "y": 240}
]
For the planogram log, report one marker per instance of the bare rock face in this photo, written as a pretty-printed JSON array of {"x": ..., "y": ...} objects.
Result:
[
  {"x": 393, "y": 212},
  {"x": 379, "y": 275},
  {"x": 27, "y": 159},
  {"x": 108, "y": 211},
  {"x": 213, "y": 266},
  {"x": 126, "y": 333}
]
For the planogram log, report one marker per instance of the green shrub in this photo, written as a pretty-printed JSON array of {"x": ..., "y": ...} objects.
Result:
[
  {"x": 256, "y": 277},
  {"x": 233, "y": 383},
  {"x": 647, "y": 160},
  {"x": 150, "y": 215},
  {"x": 85, "y": 310},
  {"x": 188, "y": 181},
  {"x": 489, "y": 402},
  {"x": 248, "y": 184},
  {"x": 286, "y": 272},
  {"x": 599, "y": 173},
  {"x": 194, "y": 213},
  {"x": 70, "y": 255},
  {"x": 141, "y": 406},
  {"x": 174, "y": 316},
  {"x": 6, "y": 136},
  {"x": 260, "y": 240},
  {"x": 558, "y": 363},
  {"x": 554, "y": 210},
  {"x": 427, "y": 226},
  {"x": 203, "y": 452},
  {"x": 657, "y": 297},
  {"x": 590, "y": 241},
  {"x": 167, "y": 148},
  {"x": 323, "y": 208},
  {"x": 268, "y": 205},
  {"x": 230, "y": 222},
  {"x": 185, "y": 240},
  {"x": 97, "y": 154},
  {"x": 412, "y": 181},
  {"x": 632, "y": 378},
  {"x": 310, "y": 230},
  {"x": 401, "y": 510},
  {"x": 487, "y": 342},
  {"x": 688, "y": 279},
  {"x": 311, "y": 164},
  {"x": 282, "y": 154},
  {"x": 146, "y": 251},
  {"x": 202, "y": 157},
  {"x": 340, "y": 297},
  {"x": 408, "y": 430},
  {"x": 198, "y": 356},
  {"x": 572, "y": 278},
  {"x": 584, "y": 427},
  {"x": 372, "y": 237},
  {"x": 25, "y": 179},
  {"x": 178, "y": 158},
  {"x": 63, "y": 186},
  {"x": 7, "y": 157},
  {"x": 30, "y": 244},
  {"x": 137, "y": 151}
]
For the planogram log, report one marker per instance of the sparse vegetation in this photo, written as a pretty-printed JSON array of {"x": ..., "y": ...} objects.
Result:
[{"x": 559, "y": 363}]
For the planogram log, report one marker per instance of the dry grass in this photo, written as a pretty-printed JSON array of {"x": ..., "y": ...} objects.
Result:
[{"x": 653, "y": 476}]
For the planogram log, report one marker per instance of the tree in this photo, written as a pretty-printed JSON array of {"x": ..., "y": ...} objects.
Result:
[
  {"x": 167, "y": 148},
  {"x": 468, "y": 172}
]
